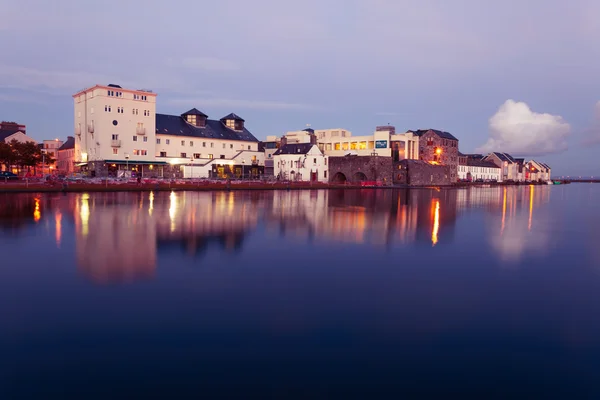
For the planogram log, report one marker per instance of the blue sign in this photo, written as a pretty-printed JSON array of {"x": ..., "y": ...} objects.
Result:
[{"x": 381, "y": 144}]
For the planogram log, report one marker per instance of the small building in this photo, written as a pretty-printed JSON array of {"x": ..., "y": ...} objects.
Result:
[
  {"x": 421, "y": 173},
  {"x": 439, "y": 148},
  {"x": 538, "y": 171},
  {"x": 66, "y": 157},
  {"x": 300, "y": 162},
  {"x": 269, "y": 147},
  {"x": 472, "y": 169},
  {"x": 10, "y": 131},
  {"x": 509, "y": 167}
]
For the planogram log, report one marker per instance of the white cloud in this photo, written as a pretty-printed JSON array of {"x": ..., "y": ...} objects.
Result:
[
  {"x": 518, "y": 130},
  {"x": 204, "y": 63},
  {"x": 237, "y": 103}
]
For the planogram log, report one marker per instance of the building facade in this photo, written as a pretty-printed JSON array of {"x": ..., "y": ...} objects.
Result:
[
  {"x": 66, "y": 157},
  {"x": 301, "y": 162},
  {"x": 474, "y": 169},
  {"x": 10, "y": 131},
  {"x": 509, "y": 167},
  {"x": 439, "y": 148},
  {"x": 119, "y": 133},
  {"x": 269, "y": 147},
  {"x": 538, "y": 171}
]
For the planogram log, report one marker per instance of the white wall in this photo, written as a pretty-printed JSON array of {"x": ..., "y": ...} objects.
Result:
[
  {"x": 19, "y": 137},
  {"x": 484, "y": 173},
  {"x": 91, "y": 111},
  {"x": 302, "y": 164},
  {"x": 174, "y": 146}
]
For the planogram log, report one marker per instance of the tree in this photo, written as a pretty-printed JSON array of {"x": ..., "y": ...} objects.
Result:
[{"x": 7, "y": 156}]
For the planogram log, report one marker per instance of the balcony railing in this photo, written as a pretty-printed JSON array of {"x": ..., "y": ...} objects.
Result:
[
  {"x": 140, "y": 130},
  {"x": 91, "y": 127},
  {"x": 78, "y": 130},
  {"x": 115, "y": 143}
]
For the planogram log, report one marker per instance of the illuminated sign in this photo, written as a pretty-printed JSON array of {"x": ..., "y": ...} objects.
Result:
[{"x": 381, "y": 144}]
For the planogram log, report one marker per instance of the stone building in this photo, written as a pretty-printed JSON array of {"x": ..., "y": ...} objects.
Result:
[
  {"x": 354, "y": 169},
  {"x": 421, "y": 173},
  {"x": 439, "y": 148}
]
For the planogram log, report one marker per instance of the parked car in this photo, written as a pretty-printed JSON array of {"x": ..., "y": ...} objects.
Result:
[{"x": 7, "y": 175}]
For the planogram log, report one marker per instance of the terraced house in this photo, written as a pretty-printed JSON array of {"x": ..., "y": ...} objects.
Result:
[
  {"x": 119, "y": 133},
  {"x": 439, "y": 148}
]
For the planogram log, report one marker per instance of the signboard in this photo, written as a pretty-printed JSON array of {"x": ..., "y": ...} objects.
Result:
[{"x": 381, "y": 144}]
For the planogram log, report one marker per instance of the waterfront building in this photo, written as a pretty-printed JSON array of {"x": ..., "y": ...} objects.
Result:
[
  {"x": 66, "y": 156},
  {"x": 340, "y": 142},
  {"x": 538, "y": 171},
  {"x": 474, "y": 168},
  {"x": 10, "y": 131},
  {"x": 50, "y": 150},
  {"x": 300, "y": 162},
  {"x": 507, "y": 163},
  {"x": 119, "y": 133},
  {"x": 438, "y": 148}
]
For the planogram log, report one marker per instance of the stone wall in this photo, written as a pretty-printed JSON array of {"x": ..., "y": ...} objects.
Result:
[
  {"x": 354, "y": 169},
  {"x": 429, "y": 142},
  {"x": 421, "y": 173}
]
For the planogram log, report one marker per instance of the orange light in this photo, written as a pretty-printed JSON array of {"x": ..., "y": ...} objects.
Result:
[{"x": 438, "y": 151}]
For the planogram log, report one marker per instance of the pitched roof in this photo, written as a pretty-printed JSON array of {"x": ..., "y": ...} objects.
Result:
[
  {"x": 296, "y": 148},
  {"x": 194, "y": 111},
  {"x": 474, "y": 162},
  {"x": 113, "y": 85},
  {"x": 442, "y": 134},
  {"x": 69, "y": 144},
  {"x": 5, "y": 133},
  {"x": 232, "y": 116},
  {"x": 504, "y": 157},
  {"x": 176, "y": 125}
]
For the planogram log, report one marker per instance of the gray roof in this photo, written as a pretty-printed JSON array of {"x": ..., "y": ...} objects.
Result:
[
  {"x": 442, "y": 134},
  {"x": 176, "y": 125},
  {"x": 473, "y": 162},
  {"x": 233, "y": 116},
  {"x": 296, "y": 148},
  {"x": 194, "y": 111},
  {"x": 69, "y": 144},
  {"x": 504, "y": 157},
  {"x": 5, "y": 133}
]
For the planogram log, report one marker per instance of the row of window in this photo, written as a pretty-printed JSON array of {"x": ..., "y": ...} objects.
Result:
[
  {"x": 121, "y": 110},
  {"x": 445, "y": 142},
  {"x": 464, "y": 168},
  {"x": 112, "y": 93},
  {"x": 136, "y": 152},
  {"x": 196, "y": 155},
  {"x": 298, "y": 164},
  {"x": 191, "y": 144},
  {"x": 140, "y": 97}
]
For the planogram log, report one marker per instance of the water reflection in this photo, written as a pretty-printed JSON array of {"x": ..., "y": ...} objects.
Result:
[{"x": 118, "y": 236}]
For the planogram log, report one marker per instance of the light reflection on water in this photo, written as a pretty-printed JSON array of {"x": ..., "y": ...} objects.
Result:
[{"x": 408, "y": 282}]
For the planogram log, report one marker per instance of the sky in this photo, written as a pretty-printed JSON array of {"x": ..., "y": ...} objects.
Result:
[{"x": 519, "y": 76}]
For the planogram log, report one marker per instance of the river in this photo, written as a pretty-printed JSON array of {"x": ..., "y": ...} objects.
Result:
[{"x": 332, "y": 293}]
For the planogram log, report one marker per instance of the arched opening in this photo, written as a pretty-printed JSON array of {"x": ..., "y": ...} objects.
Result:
[
  {"x": 339, "y": 178},
  {"x": 359, "y": 177},
  {"x": 292, "y": 176}
]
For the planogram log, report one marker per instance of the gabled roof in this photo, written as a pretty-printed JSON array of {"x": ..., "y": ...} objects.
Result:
[
  {"x": 69, "y": 144},
  {"x": 504, "y": 157},
  {"x": 5, "y": 133},
  {"x": 474, "y": 162},
  {"x": 296, "y": 148},
  {"x": 233, "y": 117},
  {"x": 442, "y": 134},
  {"x": 194, "y": 111},
  {"x": 176, "y": 125}
]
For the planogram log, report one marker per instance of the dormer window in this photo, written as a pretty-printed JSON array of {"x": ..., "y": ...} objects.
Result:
[
  {"x": 233, "y": 122},
  {"x": 195, "y": 117},
  {"x": 191, "y": 119},
  {"x": 230, "y": 123}
]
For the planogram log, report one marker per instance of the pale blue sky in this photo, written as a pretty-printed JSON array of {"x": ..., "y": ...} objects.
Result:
[{"x": 355, "y": 64}]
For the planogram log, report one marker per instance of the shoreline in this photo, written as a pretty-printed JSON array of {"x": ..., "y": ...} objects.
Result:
[{"x": 195, "y": 187}]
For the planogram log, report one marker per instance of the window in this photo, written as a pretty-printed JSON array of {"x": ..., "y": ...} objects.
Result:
[
  {"x": 211, "y": 156},
  {"x": 168, "y": 141},
  {"x": 222, "y": 155},
  {"x": 140, "y": 152},
  {"x": 203, "y": 144},
  {"x": 135, "y": 138},
  {"x": 157, "y": 141},
  {"x": 115, "y": 137},
  {"x": 325, "y": 161},
  {"x": 324, "y": 174},
  {"x": 314, "y": 160},
  {"x": 144, "y": 113},
  {"x": 107, "y": 108},
  {"x": 120, "y": 110},
  {"x": 191, "y": 144},
  {"x": 212, "y": 145},
  {"x": 223, "y": 145},
  {"x": 145, "y": 138},
  {"x": 196, "y": 155},
  {"x": 429, "y": 142},
  {"x": 183, "y": 142},
  {"x": 163, "y": 153},
  {"x": 248, "y": 147},
  {"x": 183, "y": 155},
  {"x": 231, "y": 146},
  {"x": 115, "y": 151},
  {"x": 230, "y": 124},
  {"x": 191, "y": 119}
]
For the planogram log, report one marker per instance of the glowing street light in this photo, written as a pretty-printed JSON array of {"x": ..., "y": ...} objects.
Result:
[{"x": 438, "y": 151}]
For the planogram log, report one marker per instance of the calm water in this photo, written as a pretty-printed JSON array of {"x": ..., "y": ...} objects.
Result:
[{"x": 492, "y": 292}]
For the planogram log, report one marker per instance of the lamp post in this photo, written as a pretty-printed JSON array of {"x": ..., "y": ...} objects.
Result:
[{"x": 243, "y": 167}]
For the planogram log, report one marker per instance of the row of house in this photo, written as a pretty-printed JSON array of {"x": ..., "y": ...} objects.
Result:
[{"x": 117, "y": 132}]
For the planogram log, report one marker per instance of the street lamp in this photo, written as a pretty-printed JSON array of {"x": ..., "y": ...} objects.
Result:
[
  {"x": 127, "y": 164},
  {"x": 243, "y": 167}
]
